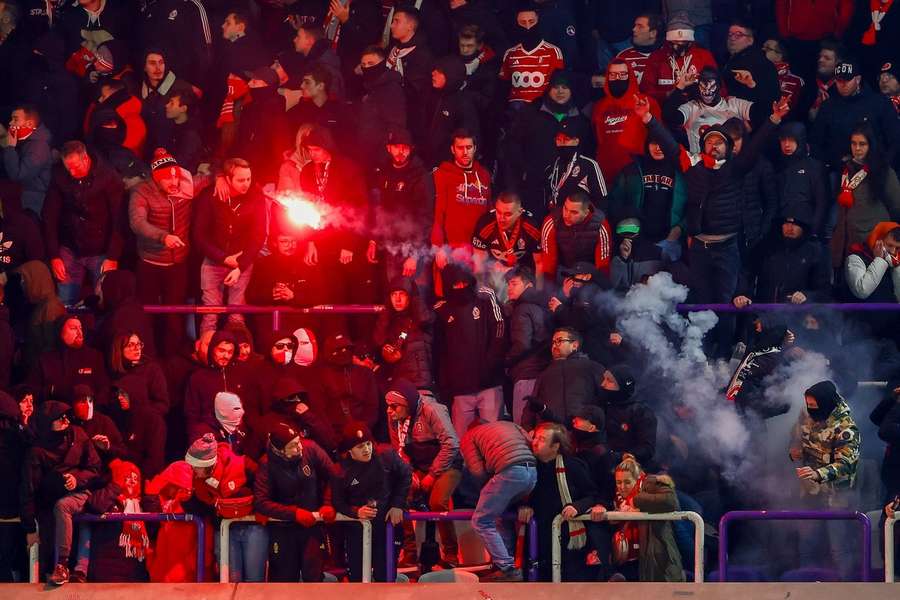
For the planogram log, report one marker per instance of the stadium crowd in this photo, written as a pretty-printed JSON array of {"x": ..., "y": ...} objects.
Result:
[{"x": 491, "y": 173}]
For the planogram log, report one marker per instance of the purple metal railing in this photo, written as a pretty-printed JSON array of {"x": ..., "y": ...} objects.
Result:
[
  {"x": 275, "y": 311},
  {"x": 787, "y": 307},
  {"x": 795, "y": 515},
  {"x": 158, "y": 518},
  {"x": 458, "y": 515}
]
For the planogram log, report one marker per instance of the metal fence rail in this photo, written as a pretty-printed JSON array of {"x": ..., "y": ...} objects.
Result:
[
  {"x": 225, "y": 549},
  {"x": 788, "y": 307},
  {"x": 696, "y": 519},
  {"x": 889, "y": 523},
  {"x": 457, "y": 515},
  {"x": 796, "y": 515}
]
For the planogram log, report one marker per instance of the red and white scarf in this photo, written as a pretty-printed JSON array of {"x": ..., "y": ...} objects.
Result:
[
  {"x": 577, "y": 531},
  {"x": 877, "y": 9},
  {"x": 238, "y": 90},
  {"x": 850, "y": 183}
]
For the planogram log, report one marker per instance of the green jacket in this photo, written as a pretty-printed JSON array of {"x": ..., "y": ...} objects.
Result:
[
  {"x": 659, "y": 558},
  {"x": 831, "y": 447},
  {"x": 628, "y": 195}
]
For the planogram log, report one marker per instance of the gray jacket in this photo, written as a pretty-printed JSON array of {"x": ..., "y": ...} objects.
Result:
[
  {"x": 431, "y": 444},
  {"x": 492, "y": 447},
  {"x": 29, "y": 164}
]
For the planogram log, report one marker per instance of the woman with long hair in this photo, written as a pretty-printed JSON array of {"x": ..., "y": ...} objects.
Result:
[{"x": 869, "y": 193}]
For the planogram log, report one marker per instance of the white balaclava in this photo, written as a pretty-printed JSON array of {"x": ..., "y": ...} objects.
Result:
[
  {"x": 306, "y": 349},
  {"x": 229, "y": 411}
]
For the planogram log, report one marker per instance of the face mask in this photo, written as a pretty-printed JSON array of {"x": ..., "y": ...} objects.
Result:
[
  {"x": 557, "y": 107},
  {"x": 618, "y": 87},
  {"x": 709, "y": 91},
  {"x": 22, "y": 132},
  {"x": 306, "y": 350},
  {"x": 566, "y": 153},
  {"x": 370, "y": 75},
  {"x": 459, "y": 296},
  {"x": 229, "y": 411},
  {"x": 84, "y": 410},
  {"x": 529, "y": 38},
  {"x": 342, "y": 357}
]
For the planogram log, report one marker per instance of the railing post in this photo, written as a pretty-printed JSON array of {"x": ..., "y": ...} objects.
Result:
[
  {"x": 889, "y": 549},
  {"x": 390, "y": 567},
  {"x": 276, "y": 319}
]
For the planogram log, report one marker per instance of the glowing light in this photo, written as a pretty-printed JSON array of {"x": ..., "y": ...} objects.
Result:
[{"x": 300, "y": 211}]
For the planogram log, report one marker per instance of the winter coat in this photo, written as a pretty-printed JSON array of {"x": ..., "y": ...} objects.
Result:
[
  {"x": 100, "y": 424},
  {"x": 123, "y": 109},
  {"x": 59, "y": 371},
  {"x": 312, "y": 424},
  {"x": 14, "y": 443},
  {"x": 886, "y": 416},
  {"x": 181, "y": 29},
  {"x": 490, "y": 448},
  {"x": 447, "y": 110},
  {"x": 870, "y": 207},
  {"x": 628, "y": 197},
  {"x": 282, "y": 486},
  {"x": 569, "y": 388},
  {"x": 381, "y": 109},
  {"x": 564, "y": 245},
  {"x": 659, "y": 558},
  {"x": 812, "y": 20},
  {"x": 793, "y": 267},
  {"x": 830, "y": 447},
  {"x": 758, "y": 202},
  {"x": 621, "y": 136},
  {"x": 231, "y": 475},
  {"x": 630, "y": 427},
  {"x": 222, "y": 229},
  {"x": 461, "y": 197},
  {"x": 386, "y": 479},
  {"x": 40, "y": 292},
  {"x": 413, "y": 60},
  {"x": 872, "y": 278},
  {"x": 530, "y": 330},
  {"x": 417, "y": 322},
  {"x": 830, "y": 133},
  {"x": 362, "y": 29},
  {"x": 585, "y": 312},
  {"x": 146, "y": 386},
  {"x": 767, "y": 89},
  {"x": 801, "y": 183},
  {"x": 186, "y": 144},
  {"x": 20, "y": 235},
  {"x": 402, "y": 195},
  {"x": 264, "y": 130},
  {"x": 29, "y": 163},
  {"x": 291, "y": 271},
  {"x": 431, "y": 445},
  {"x": 52, "y": 88},
  {"x": 123, "y": 312},
  {"x": 85, "y": 215},
  {"x": 153, "y": 214},
  {"x": 344, "y": 191},
  {"x": 350, "y": 394},
  {"x": 659, "y": 78}
]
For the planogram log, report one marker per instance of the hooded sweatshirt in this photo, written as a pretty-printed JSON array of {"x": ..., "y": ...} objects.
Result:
[
  {"x": 461, "y": 197},
  {"x": 448, "y": 109},
  {"x": 13, "y": 446},
  {"x": 801, "y": 181},
  {"x": 204, "y": 384}
]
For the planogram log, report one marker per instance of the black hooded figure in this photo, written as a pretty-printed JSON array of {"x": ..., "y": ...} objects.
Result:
[
  {"x": 404, "y": 337},
  {"x": 630, "y": 424},
  {"x": 52, "y": 88},
  {"x": 800, "y": 180},
  {"x": 14, "y": 443},
  {"x": 448, "y": 107}
]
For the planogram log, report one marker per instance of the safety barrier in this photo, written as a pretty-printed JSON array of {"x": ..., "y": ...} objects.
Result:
[
  {"x": 457, "y": 515},
  {"x": 795, "y": 515},
  {"x": 696, "y": 519},
  {"x": 275, "y": 311},
  {"x": 889, "y": 549},
  {"x": 157, "y": 518},
  {"x": 790, "y": 307},
  {"x": 225, "y": 549},
  {"x": 34, "y": 574}
]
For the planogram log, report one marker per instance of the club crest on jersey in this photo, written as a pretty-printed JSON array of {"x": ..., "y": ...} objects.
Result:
[
  {"x": 307, "y": 471},
  {"x": 476, "y": 313}
]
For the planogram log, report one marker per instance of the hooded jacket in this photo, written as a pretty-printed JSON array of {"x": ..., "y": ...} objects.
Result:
[
  {"x": 886, "y": 416},
  {"x": 630, "y": 424},
  {"x": 381, "y": 109},
  {"x": 658, "y": 555},
  {"x": 767, "y": 89},
  {"x": 30, "y": 163},
  {"x": 58, "y": 371},
  {"x": 793, "y": 266},
  {"x": 430, "y": 445},
  {"x": 417, "y": 323},
  {"x": 85, "y": 215},
  {"x": 123, "y": 311},
  {"x": 122, "y": 108},
  {"x": 447, "y": 110},
  {"x": 801, "y": 181},
  {"x": 620, "y": 134},
  {"x": 872, "y": 278},
  {"x": 386, "y": 478},
  {"x": 646, "y": 175},
  {"x": 829, "y": 446},
  {"x": 350, "y": 392},
  {"x": 461, "y": 197},
  {"x": 312, "y": 424},
  {"x": 50, "y": 87},
  {"x": 530, "y": 330},
  {"x": 40, "y": 291},
  {"x": 53, "y": 456}
]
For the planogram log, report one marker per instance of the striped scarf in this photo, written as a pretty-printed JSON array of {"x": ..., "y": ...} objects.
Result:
[{"x": 577, "y": 531}]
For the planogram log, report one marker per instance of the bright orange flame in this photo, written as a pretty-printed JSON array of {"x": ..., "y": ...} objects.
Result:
[{"x": 301, "y": 212}]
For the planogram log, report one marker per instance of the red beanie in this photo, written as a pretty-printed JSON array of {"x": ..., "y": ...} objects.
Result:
[{"x": 163, "y": 165}]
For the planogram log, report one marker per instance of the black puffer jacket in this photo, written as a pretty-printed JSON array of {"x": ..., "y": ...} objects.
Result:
[
  {"x": 386, "y": 479},
  {"x": 568, "y": 388},
  {"x": 448, "y": 109},
  {"x": 417, "y": 323},
  {"x": 530, "y": 330},
  {"x": 758, "y": 202},
  {"x": 630, "y": 424},
  {"x": 801, "y": 182},
  {"x": 282, "y": 486},
  {"x": 886, "y": 416},
  {"x": 793, "y": 266},
  {"x": 577, "y": 243}
]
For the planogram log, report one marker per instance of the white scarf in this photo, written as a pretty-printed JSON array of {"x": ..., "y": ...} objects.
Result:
[{"x": 577, "y": 531}]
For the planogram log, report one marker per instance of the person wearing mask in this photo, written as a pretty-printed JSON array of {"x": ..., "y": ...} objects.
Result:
[
  {"x": 748, "y": 73},
  {"x": 482, "y": 78},
  {"x": 115, "y": 128},
  {"x": 404, "y": 334},
  {"x": 351, "y": 27},
  {"x": 620, "y": 136},
  {"x": 350, "y": 391},
  {"x": 886, "y": 416},
  {"x": 498, "y": 457},
  {"x": 462, "y": 189},
  {"x": 528, "y": 65},
  {"x": 680, "y": 58},
  {"x": 82, "y": 219},
  {"x": 564, "y": 486},
  {"x": 889, "y": 83},
  {"x": 801, "y": 181},
  {"x": 574, "y": 232},
  {"x": 649, "y": 552},
  {"x": 505, "y": 238},
  {"x": 382, "y": 107},
  {"x": 825, "y": 450},
  {"x": 290, "y": 486},
  {"x": 409, "y": 55},
  {"x": 371, "y": 482},
  {"x": 646, "y": 37},
  {"x": 422, "y": 434},
  {"x": 448, "y": 108},
  {"x": 767, "y": 351},
  {"x": 630, "y": 424},
  {"x": 869, "y": 193},
  {"x": 530, "y": 325},
  {"x": 100, "y": 429},
  {"x": 26, "y": 156},
  {"x": 229, "y": 231},
  {"x": 403, "y": 192},
  {"x": 72, "y": 362},
  {"x": 296, "y": 400},
  {"x": 57, "y": 473},
  {"x": 790, "y": 85},
  {"x": 573, "y": 171}
]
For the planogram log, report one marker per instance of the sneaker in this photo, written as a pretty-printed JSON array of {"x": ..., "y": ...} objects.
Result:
[
  {"x": 78, "y": 577},
  {"x": 60, "y": 575},
  {"x": 499, "y": 576}
]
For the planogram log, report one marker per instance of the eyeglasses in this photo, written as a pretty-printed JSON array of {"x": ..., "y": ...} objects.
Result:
[
  {"x": 617, "y": 75},
  {"x": 560, "y": 341},
  {"x": 134, "y": 346},
  {"x": 283, "y": 345}
]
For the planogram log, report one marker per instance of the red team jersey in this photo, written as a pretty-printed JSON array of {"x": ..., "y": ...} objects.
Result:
[
  {"x": 791, "y": 85},
  {"x": 636, "y": 60},
  {"x": 529, "y": 72}
]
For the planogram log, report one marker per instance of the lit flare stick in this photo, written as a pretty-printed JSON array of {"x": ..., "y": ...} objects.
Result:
[{"x": 300, "y": 210}]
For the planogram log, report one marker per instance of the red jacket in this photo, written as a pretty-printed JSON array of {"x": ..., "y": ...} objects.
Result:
[
  {"x": 460, "y": 198},
  {"x": 813, "y": 19},
  {"x": 620, "y": 133},
  {"x": 660, "y": 77},
  {"x": 124, "y": 108},
  {"x": 228, "y": 479}
]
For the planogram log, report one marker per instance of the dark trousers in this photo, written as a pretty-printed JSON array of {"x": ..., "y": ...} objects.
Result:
[
  {"x": 714, "y": 278},
  {"x": 295, "y": 551},
  {"x": 13, "y": 557},
  {"x": 164, "y": 285}
]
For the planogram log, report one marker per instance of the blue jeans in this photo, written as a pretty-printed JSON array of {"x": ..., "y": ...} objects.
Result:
[
  {"x": 504, "y": 488},
  {"x": 213, "y": 288},
  {"x": 248, "y": 551},
  {"x": 76, "y": 268},
  {"x": 487, "y": 403}
]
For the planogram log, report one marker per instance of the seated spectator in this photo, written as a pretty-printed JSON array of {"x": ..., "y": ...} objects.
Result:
[
  {"x": 801, "y": 181},
  {"x": 371, "y": 482},
  {"x": 421, "y": 432},
  {"x": 289, "y": 486},
  {"x": 71, "y": 362},
  {"x": 630, "y": 423},
  {"x": 564, "y": 486},
  {"x": 448, "y": 107},
  {"x": 26, "y": 156},
  {"x": 404, "y": 334},
  {"x": 869, "y": 193},
  {"x": 41, "y": 331},
  {"x": 871, "y": 271},
  {"x": 651, "y": 554},
  {"x": 100, "y": 429},
  {"x": 575, "y": 232},
  {"x": 573, "y": 171}
]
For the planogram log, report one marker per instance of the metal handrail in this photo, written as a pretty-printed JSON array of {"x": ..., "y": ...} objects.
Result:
[
  {"x": 157, "y": 518},
  {"x": 682, "y": 515},
  {"x": 790, "y": 307},
  {"x": 889, "y": 549},
  {"x": 795, "y": 515},
  {"x": 225, "y": 549},
  {"x": 457, "y": 515}
]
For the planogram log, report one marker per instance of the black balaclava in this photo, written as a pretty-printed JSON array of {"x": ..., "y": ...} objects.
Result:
[
  {"x": 826, "y": 396},
  {"x": 370, "y": 75},
  {"x": 709, "y": 87},
  {"x": 454, "y": 274},
  {"x": 529, "y": 38},
  {"x": 625, "y": 379}
]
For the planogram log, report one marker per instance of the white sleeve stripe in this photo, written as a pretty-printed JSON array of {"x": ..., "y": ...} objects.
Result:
[
  {"x": 546, "y": 230},
  {"x": 495, "y": 306},
  {"x": 599, "y": 173},
  {"x": 204, "y": 21}
]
